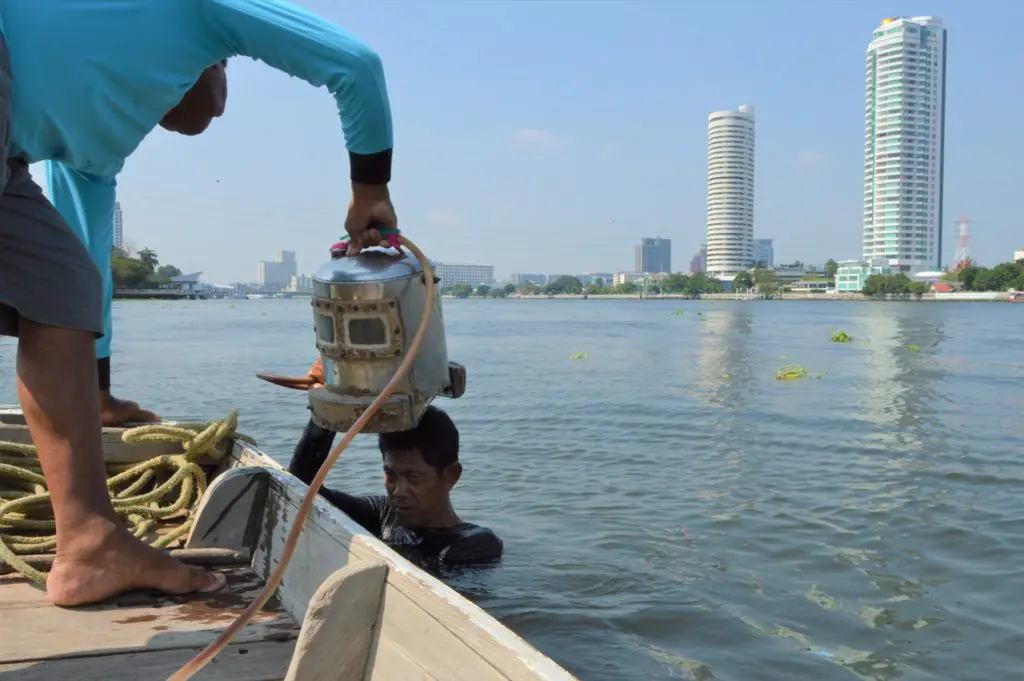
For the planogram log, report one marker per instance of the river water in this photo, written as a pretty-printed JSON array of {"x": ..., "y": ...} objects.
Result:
[{"x": 669, "y": 509}]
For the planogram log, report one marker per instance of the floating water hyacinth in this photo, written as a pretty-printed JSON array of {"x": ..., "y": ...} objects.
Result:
[
  {"x": 913, "y": 348},
  {"x": 678, "y": 313},
  {"x": 580, "y": 355},
  {"x": 841, "y": 337},
  {"x": 790, "y": 372}
]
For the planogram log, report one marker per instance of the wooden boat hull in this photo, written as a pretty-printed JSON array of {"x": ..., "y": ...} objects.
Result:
[{"x": 366, "y": 612}]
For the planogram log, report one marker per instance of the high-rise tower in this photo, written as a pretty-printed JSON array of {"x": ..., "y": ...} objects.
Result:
[
  {"x": 903, "y": 144},
  {"x": 653, "y": 255},
  {"x": 730, "y": 212},
  {"x": 118, "y": 225}
]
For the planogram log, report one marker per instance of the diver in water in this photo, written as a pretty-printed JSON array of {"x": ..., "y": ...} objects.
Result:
[{"x": 415, "y": 516}]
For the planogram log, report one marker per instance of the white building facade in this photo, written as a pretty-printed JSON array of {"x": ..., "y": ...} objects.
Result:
[
  {"x": 730, "y": 202},
  {"x": 464, "y": 273},
  {"x": 904, "y": 144}
]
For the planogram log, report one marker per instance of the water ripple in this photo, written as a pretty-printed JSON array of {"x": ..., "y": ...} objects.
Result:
[{"x": 669, "y": 509}]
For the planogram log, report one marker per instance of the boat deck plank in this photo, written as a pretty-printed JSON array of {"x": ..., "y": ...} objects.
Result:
[
  {"x": 259, "y": 661},
  {"x": 141, "y": 631}
]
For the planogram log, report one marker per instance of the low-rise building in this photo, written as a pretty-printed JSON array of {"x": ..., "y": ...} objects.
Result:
[
  {"x": 521, "y": 278},
  {"x": 851, "y": 275},
  {"x": 812, "y": 286},
  {"x": 787, "y": 276},
  {"x": 631, "y": 277},
  {"x": 464, "y": 274},
  {"x": 601, "y": 278},
  {"x": 185, "y": 283}
]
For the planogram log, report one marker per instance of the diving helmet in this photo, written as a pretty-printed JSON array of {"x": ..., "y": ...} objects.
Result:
[{"x": 366, "y": 310}]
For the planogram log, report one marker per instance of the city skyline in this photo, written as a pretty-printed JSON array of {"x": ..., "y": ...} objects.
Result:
[{"x": 554, "y": 155}]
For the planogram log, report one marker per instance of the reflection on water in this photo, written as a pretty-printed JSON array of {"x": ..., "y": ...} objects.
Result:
[
  {"x": 902, "y": 366},
  {"x": 723, "y": 356},
  {"x": 670, "y": 510}
]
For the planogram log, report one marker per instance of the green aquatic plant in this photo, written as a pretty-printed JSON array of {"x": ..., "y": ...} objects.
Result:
[
  {"x": 790, "y": 372},
  {"x": 678, "y": 313},
  {"x": 580, "y": 355},
  {"x": 841, "y": 337},
  {"x": 913, "y": 348}
]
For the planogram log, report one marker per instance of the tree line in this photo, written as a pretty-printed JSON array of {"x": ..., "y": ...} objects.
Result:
[
  {"x": 1002, "y": 277},
  {"x": 142, "y": 270},
  {"x": 687, "y": 284},
  {"x": 893, "y": 286}
]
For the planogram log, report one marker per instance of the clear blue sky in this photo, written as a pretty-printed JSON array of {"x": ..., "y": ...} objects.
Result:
[{"x": 551, "y": 136}]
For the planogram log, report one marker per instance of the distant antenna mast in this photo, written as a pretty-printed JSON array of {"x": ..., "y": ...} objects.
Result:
[{"x": 962, "y": 258}]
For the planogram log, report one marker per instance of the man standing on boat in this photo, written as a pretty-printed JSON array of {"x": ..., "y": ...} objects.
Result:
[{"x": 82, "y": 82}]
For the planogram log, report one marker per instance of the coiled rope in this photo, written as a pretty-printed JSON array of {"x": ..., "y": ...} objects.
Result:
[{"x": 141, "y": 492}]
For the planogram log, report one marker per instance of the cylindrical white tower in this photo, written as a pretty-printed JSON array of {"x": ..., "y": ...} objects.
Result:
[{"x": 730, "y": 216}]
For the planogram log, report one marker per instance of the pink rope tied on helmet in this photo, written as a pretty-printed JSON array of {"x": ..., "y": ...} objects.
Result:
[{"x": 391, "y": 235}]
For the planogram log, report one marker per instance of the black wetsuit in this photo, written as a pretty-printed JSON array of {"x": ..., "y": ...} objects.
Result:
[{"x": 463, "y": 544}]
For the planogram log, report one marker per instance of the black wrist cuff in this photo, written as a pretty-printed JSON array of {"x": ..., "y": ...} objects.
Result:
[
  {"x": 370, "y": 168},
  {"x": 104, "y": 368}
]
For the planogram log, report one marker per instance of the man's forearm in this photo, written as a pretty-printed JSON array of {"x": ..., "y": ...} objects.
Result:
[
  {"x": 310, "y": 452},
  {"x": 370, "y": 192}
]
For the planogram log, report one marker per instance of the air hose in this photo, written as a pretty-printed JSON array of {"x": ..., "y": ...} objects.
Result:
[{"x": 193, "y": 666}]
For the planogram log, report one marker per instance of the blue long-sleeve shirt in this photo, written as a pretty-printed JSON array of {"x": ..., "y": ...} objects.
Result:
[{"x": 92, "y": 78}]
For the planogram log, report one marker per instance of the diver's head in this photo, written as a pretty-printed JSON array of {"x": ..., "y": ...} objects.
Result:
[{"x": 421, "y": 465}]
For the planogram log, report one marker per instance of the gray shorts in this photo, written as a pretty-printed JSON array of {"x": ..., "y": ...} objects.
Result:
[{"x": 46, "y": 274}]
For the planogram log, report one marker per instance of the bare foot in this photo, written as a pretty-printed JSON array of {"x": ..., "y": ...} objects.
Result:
[
  {"x": 114, "y": 562},
  {"x": 116, "y": 412}
]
